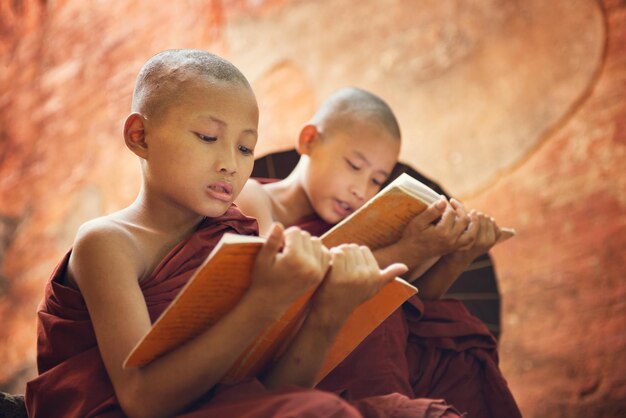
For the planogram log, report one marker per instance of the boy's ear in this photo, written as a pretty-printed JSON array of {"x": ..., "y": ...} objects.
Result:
[
  {"x": 308, "y": 135},
  {"x": 134, "y": 135}
]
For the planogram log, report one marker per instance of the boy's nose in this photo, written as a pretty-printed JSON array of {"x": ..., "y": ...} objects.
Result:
[
  {"x": 358, "y": 191},
  {"x": 227, "y": 163}
]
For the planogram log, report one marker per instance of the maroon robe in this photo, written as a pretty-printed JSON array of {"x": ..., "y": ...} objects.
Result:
[
  {"x": 73, "y": 381},
  {"x": 448, "y": 338},
  {"x": 433, "y": 349}
]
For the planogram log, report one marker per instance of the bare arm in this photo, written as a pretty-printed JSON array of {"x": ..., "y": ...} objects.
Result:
[{"x": 103, "y": 266}]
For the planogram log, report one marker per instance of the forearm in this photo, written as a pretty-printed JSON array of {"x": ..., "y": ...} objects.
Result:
[
  {"x": 303, "y": 359},
  {"x": 417, "y": 261},
  {"x": 436, "y": 281},
  {"x": 400, "y": 252},
  {"x": 170, "y": 383},
  {"x": 418, "y": 271}
]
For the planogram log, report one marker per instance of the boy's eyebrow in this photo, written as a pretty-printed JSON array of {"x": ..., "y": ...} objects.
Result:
[
  {"x": 366, "y": 161},
  {"x": 224, "y": 124}
]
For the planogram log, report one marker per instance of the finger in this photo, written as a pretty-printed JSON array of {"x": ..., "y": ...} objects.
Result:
[
  {"x": 369, "y": 257},
  {"x": 491, "y": 230},
  {"x": 353, "y": 257},
  {"x": 460, "y": 225},
  {"x": 305, "y": 240},
  {"x": 316, "y": 247},
  {"x": 484, "y": 229},
  {"x": 431, "y": 213},
  {"x": 462, "y": 219},
  {"x": 447, "y": 219},
  {"x": 293, "y": 240},
  {"x": 468, "y": 238},
  {"x": 273, "y": 242},
  {"x": 325, "y": 258},
  {"x": 497, "y": 230},
  {"x": 360, "y": 256},
  {"x": 393, "y": 271},
  {"x": 458, "y": 207},
  {"x": 338, "y": 258}
]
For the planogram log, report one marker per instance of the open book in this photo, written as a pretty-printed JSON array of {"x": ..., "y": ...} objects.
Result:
[
  {"x": 220, "y": 282},
  {"x": 381, "y": 221},
  {"x": 218, "y": 285}
]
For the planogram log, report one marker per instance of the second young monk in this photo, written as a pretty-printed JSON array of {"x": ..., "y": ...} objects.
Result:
[
  {"x": 348, "y": 150},
  {"x": 193, "y": 127}
]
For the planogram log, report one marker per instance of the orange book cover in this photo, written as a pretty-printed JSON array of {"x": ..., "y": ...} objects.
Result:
[
  {"x": 220, "y": 282},
  {"x": 217, "y": 286},
  {"x": 381, "y": 221}
]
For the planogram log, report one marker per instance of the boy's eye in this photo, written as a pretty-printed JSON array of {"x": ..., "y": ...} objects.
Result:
[
  {"x": 206, "y": 138},
  {"x": 352, "y": 165},
  {"x": 377, "y": 182},
  {"x": 245, "y": 150}
]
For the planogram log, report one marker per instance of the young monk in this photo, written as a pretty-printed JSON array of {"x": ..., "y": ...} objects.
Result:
[
  {"x": 193, "y": 127},
  {"x": 348, "y": 150}
]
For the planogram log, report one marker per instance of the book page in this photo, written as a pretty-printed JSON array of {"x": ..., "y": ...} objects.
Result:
[
  {"x": 506, "y": 233},
  {"x": 416, "y": 188},
  {"x": 216, "y": 287},
  {"x": 378, "y": 223}
]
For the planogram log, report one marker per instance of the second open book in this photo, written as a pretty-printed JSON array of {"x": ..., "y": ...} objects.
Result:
[{"x": 221, "y": 281}]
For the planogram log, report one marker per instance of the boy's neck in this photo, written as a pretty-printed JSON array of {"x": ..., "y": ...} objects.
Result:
[
  {"x": 290, "y": 203},
  {"x": 154, "y": 214}
]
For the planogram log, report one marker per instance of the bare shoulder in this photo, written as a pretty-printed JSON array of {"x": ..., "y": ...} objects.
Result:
[
  {"x": 104, "y": 233},
  {"x": 255, "y": 201},
  {"x": 252, "y": 196},
  {"x": 101, "y": 244}
]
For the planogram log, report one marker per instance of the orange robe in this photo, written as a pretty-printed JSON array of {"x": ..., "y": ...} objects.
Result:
[{"x": 73, "y": 381}]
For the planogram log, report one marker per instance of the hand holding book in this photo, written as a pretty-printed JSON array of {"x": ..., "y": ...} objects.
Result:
[
  {"x": 446, "y": 228},
  {"x": 353, "y": 279},
  {"x": 289, "y": 264},
  {"x": 226, "y": 275},
  {"x": 222, "y": 281},
  {"x": 409, "y": 222}
]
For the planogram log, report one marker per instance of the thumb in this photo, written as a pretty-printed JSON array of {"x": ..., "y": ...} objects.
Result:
[
  {"x": 393, "y": 271},
  {"x": 273, "y": 242}
]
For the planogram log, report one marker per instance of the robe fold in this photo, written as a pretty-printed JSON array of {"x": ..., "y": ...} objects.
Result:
[
  {"x": 452, "y": 355},
  {"x": 426, "y": 349},
  {"x": 73, "y": 381}
]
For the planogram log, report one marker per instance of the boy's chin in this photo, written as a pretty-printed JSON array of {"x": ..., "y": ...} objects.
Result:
[
  {"x": 217, "y": 210},
  {"x": 331, "y": 217}
]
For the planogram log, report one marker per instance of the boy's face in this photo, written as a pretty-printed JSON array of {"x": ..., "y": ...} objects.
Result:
[
  {"x": 347, "y": 167},
  {"x": 200, "y": 150}
]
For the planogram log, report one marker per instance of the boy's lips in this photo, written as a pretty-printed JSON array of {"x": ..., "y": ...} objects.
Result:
[
  {"x": 220, "y": 190},
  {"x": 341, "y": 208}
]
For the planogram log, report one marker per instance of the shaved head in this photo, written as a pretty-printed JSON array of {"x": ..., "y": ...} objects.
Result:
[
  {"x": 350, "y": 105},
  {"x": 162, "y": 80}
]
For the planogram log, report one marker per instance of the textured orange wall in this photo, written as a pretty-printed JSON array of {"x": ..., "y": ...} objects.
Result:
[
  {"x": 517, "y": 106},
  {"x": 564, "y": 348}
]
